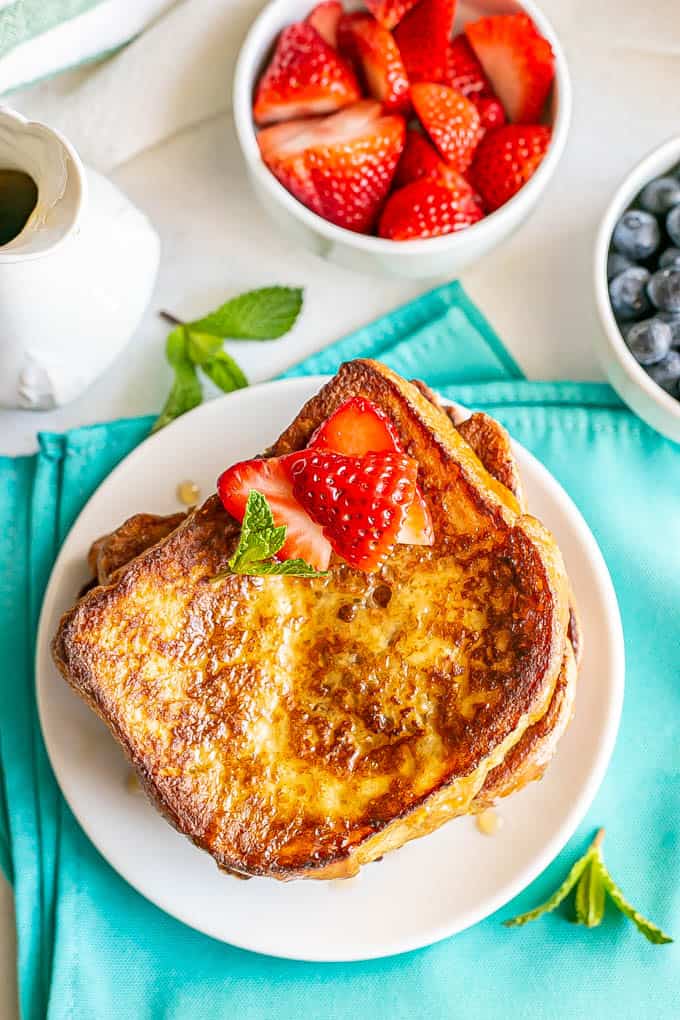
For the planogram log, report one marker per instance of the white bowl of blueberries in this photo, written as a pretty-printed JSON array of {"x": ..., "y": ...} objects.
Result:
[{"x": 637, "y": 284}]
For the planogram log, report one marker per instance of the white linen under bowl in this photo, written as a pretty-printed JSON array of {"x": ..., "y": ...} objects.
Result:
[
  {"x": 436, "y": 256},
  {"x": 658, "y": 408}
]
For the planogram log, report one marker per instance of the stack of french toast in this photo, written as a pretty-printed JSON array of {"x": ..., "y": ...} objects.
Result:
[{"x": 302, "y": 724}]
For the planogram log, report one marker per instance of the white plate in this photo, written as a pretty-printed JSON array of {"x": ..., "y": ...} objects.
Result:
[{"x": 414, "y": 896}]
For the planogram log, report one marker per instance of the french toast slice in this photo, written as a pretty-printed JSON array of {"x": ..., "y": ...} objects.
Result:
[
  {"x": 110, "y": 552},
  {"x": 290, "y": 741},
  {"x": 529, "y": 758}
]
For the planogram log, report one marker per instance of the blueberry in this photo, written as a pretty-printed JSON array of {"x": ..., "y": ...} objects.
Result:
[
  {"x": 628, "y": 293},
  {"x": 673, "y": 225},
  {"x": 637, "y": 234},
  {"x": 664, "y": 289},
  {"x": 649, "y": 341},
  {"x": 673, "y": 320},
  {"x": 616, "y": 263},
  {"x": 660, "y": 195},
  {"x": 667, "y": 372},
  {"x": 670, "y": 257}
]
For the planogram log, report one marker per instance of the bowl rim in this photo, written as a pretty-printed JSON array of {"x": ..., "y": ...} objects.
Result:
[
  {"x": 660, "y": 158},
  {"x": 508, "y": 213}
]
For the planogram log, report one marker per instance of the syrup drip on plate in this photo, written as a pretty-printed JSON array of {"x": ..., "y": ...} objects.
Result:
[
  {"x": 188, "y": 492},
  {"x": 488, "y": 822}
]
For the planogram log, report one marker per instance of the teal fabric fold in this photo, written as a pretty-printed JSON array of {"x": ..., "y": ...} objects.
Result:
[{"x": 89, "y": 946}]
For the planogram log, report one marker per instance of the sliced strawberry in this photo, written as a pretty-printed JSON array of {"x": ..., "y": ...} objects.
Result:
[
  {"x": 451, "y": 121},
  {"x": 363, "y": 40},
  {"x": 506, "y": 159},
  {"x": 304, "y": 537},
  {"x": 430, "y": 207},
  {"x": 423, "y": 39},
  {"x": 340, "y": 166},
  {"x": 304, "y": 77},
  {"x": 419, "y": 159},
  {"x": 389, "y": 12},
  {"x": 517, "y": 60},
  {"x": 491, "y": 112},
  {"x": 360, "y": 502},
  {"x": 324, "y": 18},
  {"x": 465, "y": 73},
  {"x": 356, "y": 428},
  {"x": 359, "y": 427}
]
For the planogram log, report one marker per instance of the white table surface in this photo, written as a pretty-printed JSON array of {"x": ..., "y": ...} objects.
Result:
[{"x": 536, "y": 290}]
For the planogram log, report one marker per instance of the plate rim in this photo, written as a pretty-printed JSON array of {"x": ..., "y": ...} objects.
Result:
[{"x": 526, "y": 874}]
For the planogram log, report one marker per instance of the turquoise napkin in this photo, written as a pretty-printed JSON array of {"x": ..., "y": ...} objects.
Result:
[{"x": 91, "y": 947}]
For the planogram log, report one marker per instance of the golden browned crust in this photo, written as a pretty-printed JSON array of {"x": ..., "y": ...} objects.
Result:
[
  {"x": 530, "y": 757},
  {"x": 133, "y": 537},
  {"x": 492, "y": 445},
  {"x": 291, "y": 739}
]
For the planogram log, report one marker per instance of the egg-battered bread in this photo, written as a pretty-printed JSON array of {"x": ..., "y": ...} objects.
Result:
[{"x": 298, "y": 727}]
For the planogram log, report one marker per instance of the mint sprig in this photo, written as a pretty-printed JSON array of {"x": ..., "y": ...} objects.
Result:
[
  {"x": 259, "y": 542},
  {"x": 593, "y": 883},
  {"x": 263, "y": 314}
]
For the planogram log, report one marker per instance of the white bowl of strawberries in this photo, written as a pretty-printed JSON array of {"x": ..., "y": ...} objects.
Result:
[{"x": 404, "y": 137}]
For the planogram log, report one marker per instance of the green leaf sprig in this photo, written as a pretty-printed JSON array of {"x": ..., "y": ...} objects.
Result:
[
  {"x": 264, "y": 314},
  {"x": 593, "y": 884},
  {"x": 259, "y": 542}
]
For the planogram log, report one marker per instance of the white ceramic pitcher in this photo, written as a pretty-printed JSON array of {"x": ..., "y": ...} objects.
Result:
[{"x": 77, "y": 278}]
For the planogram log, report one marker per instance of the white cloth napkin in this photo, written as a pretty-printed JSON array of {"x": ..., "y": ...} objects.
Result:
[{"x": 176, "y": 73}]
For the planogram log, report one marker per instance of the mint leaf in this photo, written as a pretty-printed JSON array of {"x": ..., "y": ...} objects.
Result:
[
  {"x": 649, "y": 930},
  {"x": 202, "y": 346},
  {"x": 263, "y": 314},
  {"x": 224, "y": 372},
  {"x": 290, "y": 568},
  {"x": 186, "y": 392},
  {"x": 557, "y": 897},
  {"x": 176, "y": 347},
  {"x": 260, "y": 540},
  {"x": 589, "y": 902},
  {"x": 258, "y": 515}
]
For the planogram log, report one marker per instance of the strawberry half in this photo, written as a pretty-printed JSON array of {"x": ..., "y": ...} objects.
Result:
[
  {"x": 451, "y": 121},
  {"x": 389, "y": 12},
  {"x": 517, "y": 60},
  {"x": 324, "y": 18},
  {"x": 304, "y": 537},
  {"x": 356, "y": 428},
  {"x": 491, "y": 112},
  {"x": 506, "y": 159},
  {"x": 465, "y": 73},
  {"x": 360, "y": 502},
  {"x": 430, "y": 207},
  {"x": 340, "y": 166},
  {"x": 419, "y": 159},
  {"x": 423, "y": 39},
  {"x": 363, "y": 40},
  {"x": 359, "y": 427},
  {"x": 304, "y": 77}
]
